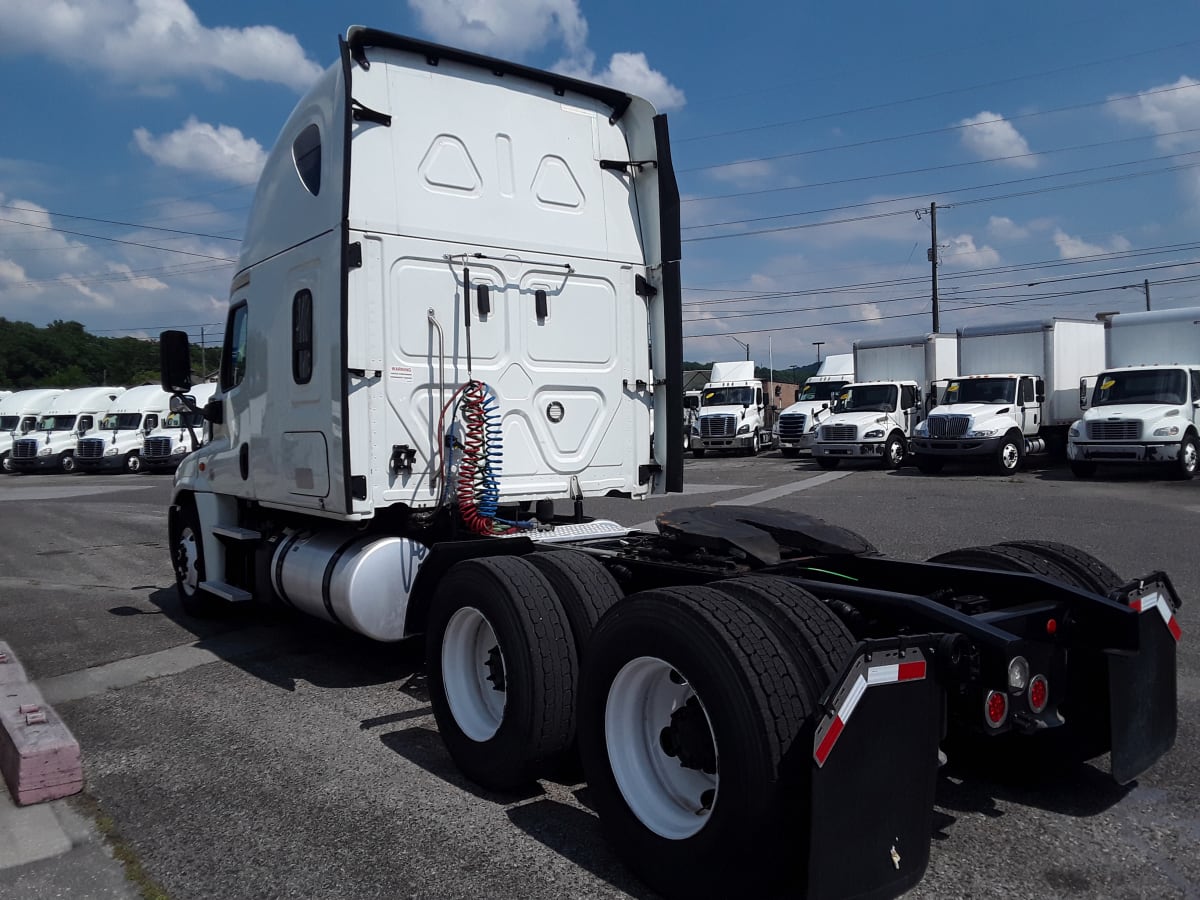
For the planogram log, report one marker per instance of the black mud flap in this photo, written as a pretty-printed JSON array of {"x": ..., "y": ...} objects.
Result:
[
  {"x": 1142, "y": 689},
  {"x": 874, "y": 774}
]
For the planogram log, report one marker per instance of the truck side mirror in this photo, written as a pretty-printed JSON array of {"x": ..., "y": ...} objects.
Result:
[
  {"x": 1085, "y": 390},
  {"x": 1040, "y": 389},
  {"x": 175, "y": 361}
]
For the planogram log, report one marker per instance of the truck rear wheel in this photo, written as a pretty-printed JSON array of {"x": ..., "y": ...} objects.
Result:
[
  {"x": 1090, "y": 573},
  {"x": 502, "y": 670},
  {"x": 1188, "y": 459},
  {"x": 688, "y": 707},
  {"x": 894, "y": 451},
  {"x": 585, "y": 589},
  {"x": 1009, "y": 455}
]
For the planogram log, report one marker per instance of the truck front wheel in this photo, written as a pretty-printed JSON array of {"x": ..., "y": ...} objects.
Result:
[
  {"x": 67, "y": 463},
  {"x": 187, "y": 559},
  {"x": 1009, "y": 454},
  {"x": 502, "y": 670},
  {"x": 133, "y": 462},
  {"x": 894, "y": 451},
  {"x": 1186, "y": 462}
]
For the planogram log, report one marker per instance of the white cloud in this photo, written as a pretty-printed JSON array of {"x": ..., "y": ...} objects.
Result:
[
  {"x": 964, "y": 254},
  {"x": 151, "y": 41},
  {"x": 990, "y": 136},
  {"x": 743, "y": 172},
  {"x": 1002, "y": 228},
  {"x": 1163, "y": 109},
  {"x": 517, "y": 27},
  {"x": 870, "y": 312},
  {"x": 1070, "y": 247},
  {"x": 10, "y": 272},
  {"x": 135, "y": 281},
  {"x": 219, "y": 151}
]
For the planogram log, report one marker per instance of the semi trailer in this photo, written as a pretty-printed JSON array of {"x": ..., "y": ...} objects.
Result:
[{"x": 438, "y": 329}]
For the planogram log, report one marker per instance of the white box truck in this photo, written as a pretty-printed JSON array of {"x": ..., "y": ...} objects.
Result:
[
  {"x": 1144, "y": 408},
  {"x": 734, "y": 413},
  {"x": 874, "y": 416},
  {"x": 19, "y": 414},
  {"x": 453, "y": 268},
  {"x": 117, "y": 444},
  {"x": 71, "y": 415},
  {"x": 180, "y": 432},
  {"x": 797, "y": 424},
  {"x": 1017, "y": 393}
]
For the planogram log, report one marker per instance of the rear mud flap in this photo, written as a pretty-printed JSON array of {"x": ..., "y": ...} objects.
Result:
[
  {"x": 1142, "y": 691},
  {"x": 874, "y": 774}
]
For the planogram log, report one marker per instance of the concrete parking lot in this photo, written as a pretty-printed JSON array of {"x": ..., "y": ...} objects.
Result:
[{"x": 267, "y": 756}]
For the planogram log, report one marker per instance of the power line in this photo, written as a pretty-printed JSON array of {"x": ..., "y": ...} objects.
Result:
[{"x": 98, "y": 237}]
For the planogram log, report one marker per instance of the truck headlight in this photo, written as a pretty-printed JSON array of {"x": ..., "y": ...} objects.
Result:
[
  {"x": 745, "y": 429},
  {"x": 1166, "y": 431},
  {"x": 873, "y": 433},
  {"x": 983, "y": 432},
  {"x": 112, "y": 451},
  {"x": 922, "y": 430},
  {"x": 180, "y": 450},
  {"x": 1074, "y": 431},
  {"x": 45, "y": 451}
]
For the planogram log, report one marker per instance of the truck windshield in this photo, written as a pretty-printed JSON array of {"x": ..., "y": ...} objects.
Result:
[
  {"x": 981, "y": 390},
  {"x": 822, "y": 390},
  {"x": 121, "y": 422},
  {"x": 57, "y": 423},
  {"x": 1147, "y": 386},
  {"x": 9, "y": 423},
  {"x": 728, "y": 396},
  {"x": 183, "y": 419},
  {"x": 868, "y": 398}
]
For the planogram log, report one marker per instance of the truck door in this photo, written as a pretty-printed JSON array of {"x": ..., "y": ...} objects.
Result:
[
  {"x": 910, "y": 407},
  {"x": 1028, "y": 408},
  {"x": 1195, "y": 406}
]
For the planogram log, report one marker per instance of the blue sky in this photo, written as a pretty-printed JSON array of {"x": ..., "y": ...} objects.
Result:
[{"x": 1060, "y": 142}]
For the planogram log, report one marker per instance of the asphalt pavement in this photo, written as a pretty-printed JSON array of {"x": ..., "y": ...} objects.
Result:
[{"x": 269, "y": 756}]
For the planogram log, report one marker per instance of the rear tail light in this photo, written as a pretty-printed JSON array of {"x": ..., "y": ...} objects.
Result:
[
  {"x": 1039, "y": 693},
  {"x": 995, "y": 709}
]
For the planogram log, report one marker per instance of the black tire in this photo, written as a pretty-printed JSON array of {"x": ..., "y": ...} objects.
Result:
[
  {"x": 1009, "y": 455},
  {"x": 746, "y": 707},
  {"x": 1007, "y": 559},
  {"x": 894, "y": 451},
  {"x": 929, "y": 465},
  {"x": 1083, "y": 468},
  {"x": 133, "y": 462},
  {"x": 1089, "y": 573},
  {"x": 67, "y": 463},
  {"x": 828, "y": 463},
  {"x": 187, "y": 561},
  {"x": 533, "y": 664},
  {"x": 583, "y": 586},
  {"x": 790, "y": 452},
  {"x": 755, "y": 445},
  {"x": 1188, "y": 460},
  {"x": 6, "y": 464},
  {"x": 697, "y": 452}
]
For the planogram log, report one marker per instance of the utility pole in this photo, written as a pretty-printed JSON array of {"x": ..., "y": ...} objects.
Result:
[
  {"x": 1146, "y": 288},
  {"x": 933, "y": 263},
  {"x": 203, "y": 363},
  {"x": 818, "y": 344},
  {"x": 744, "y": 344}
]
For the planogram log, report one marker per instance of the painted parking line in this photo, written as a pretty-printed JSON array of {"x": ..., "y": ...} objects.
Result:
[{"x": 64, "y": 491}]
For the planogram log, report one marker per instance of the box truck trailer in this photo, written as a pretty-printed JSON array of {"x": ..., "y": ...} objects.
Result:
[
  {"x": 734, "y": 413},
  {"x": 458, "y": 264},
  {"x": 1144, "y": 408},
  {"x": 70, "y": 416},
  {"x": 1017, "y": 393},
  {"x": 797, "y": 424},
  {"x": 874, "y": 416},
  {"x": 19, "y": 414},
  {"x": 117, "y": 444}
]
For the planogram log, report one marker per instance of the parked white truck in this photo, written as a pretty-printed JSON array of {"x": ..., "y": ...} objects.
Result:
[
  {"x": 180, "y": 432},
  {"x": 70, "y": 416},
  {"x": 733, "y": 414},
  {"x": 1017, "y": 394},
  {"x": 453, "y": 268},
  {"x": 1144, "y": 408},
  {"x": 874, "y": 417},
  {"x": 117, "y": 444},
  {"x": 19, "y": 414},
  {"x": 797, "y": 424}
]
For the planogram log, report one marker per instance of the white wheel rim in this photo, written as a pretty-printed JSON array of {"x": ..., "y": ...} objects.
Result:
[
  {"x": 896, "y": 452},
  {"x": 666, "y": 796},
  {"x": 189, "y": 553},
  {"x": 470, "y": 658},
  {"x": 1189, "y": 457},
  {"x": 1009, "y": 456}
]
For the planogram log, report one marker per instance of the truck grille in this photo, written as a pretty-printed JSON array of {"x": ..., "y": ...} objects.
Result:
[
  {"x": 1127, "y": 430},
  {"x": 791, "y": 427},
  {"x": 948, "y": 426},
  {"x": 717, "y": 426},
  {"x": 25, "y": 449},
  {"x": 838, "y": 432},
  {"x": 156, "y": 447},
  {"x": 90, "y": 448}
]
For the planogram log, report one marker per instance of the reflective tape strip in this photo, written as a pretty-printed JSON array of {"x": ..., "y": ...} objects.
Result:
[
  {"x": 1155, "y": 600},
  {"x": 875, "y": 675}
]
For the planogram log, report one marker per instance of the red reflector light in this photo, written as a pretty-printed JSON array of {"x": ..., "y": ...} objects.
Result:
[
  {"x": 995, "y": 708},
  {"x": 1039, "y": 693},
  {"x": 1051, "y": 626}
]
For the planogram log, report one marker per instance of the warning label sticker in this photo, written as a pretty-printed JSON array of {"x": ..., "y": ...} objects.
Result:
[{"x": 401, "y": 373}]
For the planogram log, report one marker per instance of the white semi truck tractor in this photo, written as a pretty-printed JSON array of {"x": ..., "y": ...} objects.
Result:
[
  {"x": 117, "y": 444},
  {"x": 874, "y": 416},
  {"x": 179, "y": 432},
  {"x": 1144, "y": 408},
  {"x": 453, "y": 268},
  {"x": 797, "y": 424},
  {"x": 733, "y": 413},
  {"x": 70, "y": 416},
  {"x": 1016, "y": 395},
  {"x": 19, "y": 414}
]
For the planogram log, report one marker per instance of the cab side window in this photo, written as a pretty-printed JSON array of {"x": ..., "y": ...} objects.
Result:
[
  {"x": 302, "y": 337},
  {"x": 758, "y": 396},
  {"x": 908, "y": 396},
  {"x": 1027, "y": 392},
  {"x": 233, "y": 357},
  {"x": 1195, "y": 385}
]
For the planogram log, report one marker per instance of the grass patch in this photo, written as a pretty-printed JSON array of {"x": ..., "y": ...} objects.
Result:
[{"x": 121, "y": 849}]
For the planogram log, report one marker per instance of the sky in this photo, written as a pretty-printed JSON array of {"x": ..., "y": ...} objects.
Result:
[{"x": 1059, "y": 143}]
